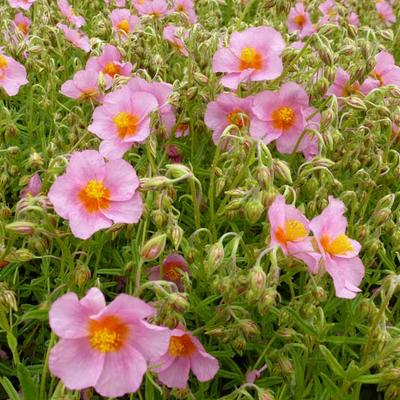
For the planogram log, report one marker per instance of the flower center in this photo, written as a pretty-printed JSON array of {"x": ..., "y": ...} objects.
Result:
[
  {"x": 112, "y": 69},
  {"x": 126, "y": 124},
  {"x": 94, "y": 196},
  {"x": 250, "y": 58},
  {"x": 283, "y": 118},
  {"x": 332, "y": 12},
  {"x": 22, "y": 26},
  {"x": 181, "y": 346},
  {"x": 238, "y": 118},
  {"x": 300, "y": 20},
  {"x": 378, "y": 77},
  {"x": 340, "y": 245},
  {"x": 350, "y": 89},
  {"x": 181, "y": 8},
  {"x": 172, "y": 272},
  {"x": 3, "y": 62},
  {"x": 107, "y": 334},
  {"x": 292, "y": 230},
  {"x": 123, "y": 26},
  {"x": 88, "y": 93}
]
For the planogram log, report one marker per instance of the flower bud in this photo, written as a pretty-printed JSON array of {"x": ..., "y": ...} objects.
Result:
[
  {"x": 200, "y": 78},
  {"x": 153, "y": 248},
  {"x": 175, "y": 234},
  {"x": 381, "y": 216},
  {"x": 282, "y": 170},
  {"x": 178, "y": 170},
  {"x": 249, "y": 328},
  {"x": 81, "y": 275},
  {"x": 179, "y": 302},
  {"x": 257, "y": 279},
  {"x": 267, "y": 300},
  {"x": 159, "y": 218},
  {"x": 356, "y": 103},
  {"x": 155, "y": 183},
  {"x": 215, "y": 256},
  {"x": 20, "y": 255},
  {"x": 21, "y": 227},
  {"x": 253, "y": 210},
  {"x": 7, "y": 298}
]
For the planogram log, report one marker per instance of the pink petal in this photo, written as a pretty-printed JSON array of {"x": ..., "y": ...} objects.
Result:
[
  {"x": 125, "y": 212},
  {"x": 177, "y": 374}
]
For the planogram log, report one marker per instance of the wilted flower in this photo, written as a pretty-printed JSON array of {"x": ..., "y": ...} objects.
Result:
[
  {"x": 83, "y": 86},
  {"x": 385, "y": 12},
  {"x": 33, "y": 188},
  {"x": 21, "y": 24},
  {"x": 124, "y": 23},
  {"x": 12, "y": 74},
  {"x": 299, "y": 21},
  {"x": 69, "y": 13},
  {"x": 170, "y": 34},
  {"x": 93, "y": 194},
  {"x": 105, "y": 347},
  {"x": 330, "y": 13},
  {"x": 24, "y": 4},
  {"x": 254, "y": 374},
  {"x": 77, "y": 38},
  {"x": 186, "y": 7},
  {"x": 252, "y": 55}
]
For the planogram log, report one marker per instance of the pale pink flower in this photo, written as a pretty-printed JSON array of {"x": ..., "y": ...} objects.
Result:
[
  {"x": 110, "y": 64},
  {"x": 33, "y": 187},
  {"x": 339, "y": 253},
  {"x": 21, "y": 25},
  {"x": 161, "y": 91},
  {"x": 385, "y": 12},
  {"x": 83, "y": 86},
  {"x": 353, "y": 19},
  {"x": 92, "y": 193},
  {"x": 77, "y": 38},
  {"x": 122, "y": 120},
  {"x": 173, "y": 266},
  {"x": 24, "y": 4},
  {"x": 69, "y": 13},
  {"x": 341, "y": 86},
  {"x": 185, "y": 353},
  {"x": 299, "y": 21},
  {"x": 228, "y": 109},
  {"x": 252, "y": 55},
  {"x": 124, "y": 23},
  {"x": 170, "y": 33},
  {"x": 186, "y": 7},
  {"x": 330, "y": 13},
  {"x": 279, "y": 115},
  {"x": 12, "y": 74},
  {"x": 155, "y": 8},
  {"x": 386, "y": 72},
  {"x": 107, "y": 347}
]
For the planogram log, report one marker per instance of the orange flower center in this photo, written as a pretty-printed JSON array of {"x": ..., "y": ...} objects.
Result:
[
  {"x": 300, "y": 20},
  {"x": 107, "y": 334},
  {"x": 292, "y": 230},
  {"x": 23, "y": 27},
  {"x": 350, "y": 89},
  {"x": 181, "y": 346},
  {"x": 123, "y": 26},
  {"x": 181, "y": 8},
  {"x": 250, "y": 58},
  {"x": 3, "y": 62},
  {"x": 238, "y": 118},
  {"x": 94, "y": 196},
  {"x": 112, "y": 69},
  {"x": 283, "y": 118},
  {"x": 332, "y": 12},
  {"x": 172, "y": 272},
  {"x": 340, "y": 245},
  {"x": 88, "y": 93},
  {"x": 126, "y": 124},
  {"x": 378, "y": 77}
]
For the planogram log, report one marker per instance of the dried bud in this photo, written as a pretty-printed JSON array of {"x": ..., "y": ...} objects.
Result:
[
  {"x": 7, "y": 298},
  {"x": 249, "y": 328},
  {"x": 153, "y": 248},
  {"x": 215, "y": 256},
  {"x": 81, "y": 275},
  {"x": 264, "y": 176}
]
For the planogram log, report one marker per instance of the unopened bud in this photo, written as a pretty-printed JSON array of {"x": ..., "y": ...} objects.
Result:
[
  {"x": 215, "y": 256},
  {"x": 179, "y": 302},
  {"x": 153, "y": 247},
  {"x": 155, "y": 183},
  {"x": 175, "y": 234},
  {"x": 200, "y": 78},
  {"x": 253, "y": 210},
  {"x": 7, "y": 298},
  {"x": 356, "y": 103},
  {"x": 81, "y": 275},
  {"x": 381, "y": 216},
  {"x": 282, "y": 170},
  {"x": 21, "y": 227},
  {"x": 258, "y": 279}
]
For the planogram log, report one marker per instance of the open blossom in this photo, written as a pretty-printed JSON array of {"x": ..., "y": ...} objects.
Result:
[
  {"x": 185, "y": 353},
  {"x": 83, "y": 86},
  {"x": 161, "y": 91},
  {"x": 104, "y": 346},
  {"x": 12, "y": 74},
  {"x": 329, "y": 13},
  {"x": 170, "y": 33},
  {"x": 339, "y": 253},
  {"x": 342, "y": 86},
  {"x": 110, "y": 64},
  {"x": 92, "y": 193},
  {"x": 228, "y": 109},
  {"x": 122, "y": 120},
  {"x": 33, "y": 188},
  {"x": 386, "y": 72},
  {"x": 24, "y": 4},
  {"x": 21, "y": 25},
  {"x": 124, "y": 23},
  {"x": 385, "y": 12},
  {"x": 77, "y": 38},
  {"x": 186, "y": 7},
  {"x": 69, "y": 13},
  {"x": 279, "y": 115},
  {"x": 252, "y": 55},
  {"x": 155, "y": 8},
  {"x": 299, "y": 21}
]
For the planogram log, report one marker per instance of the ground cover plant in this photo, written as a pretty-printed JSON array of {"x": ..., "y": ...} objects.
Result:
[{"x": 199, "y": 199}]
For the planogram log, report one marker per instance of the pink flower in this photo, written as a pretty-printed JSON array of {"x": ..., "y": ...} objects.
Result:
[
  {"x": 83, "y": 86},
  {"x": 109, "y": 62},
  {"x": 105, "y": 347},
  {"x": 279, "y": 115},
  {"x": 342, "y": 87},
  {"x": 182, "y": 130},
  {"x": 385, "y": 12},
  {"x": 185, "y": 353},
  {"x": 156, "y": 8},
  {"x": 252, "y": 55},
  {"x": 330, "y": 13},
  {"x": 12, "y": 74},
  {"x": 339, "y": 252},
  {"x": 21, "y": 24},
  {"x": 228, "y": 109},
  {"x": 186, "y": 7},
  {"x": 77, "y": 38},
  {"x": 172, "y": 268},
  {"x": 122, "y": 120},
  {"x": 24, "y": 4},
  {"x": 124, "y": 23},
  {"x": 92, "y": 194},
  {"x": 161, "y": 91},
  {"x": 299, "y": 21},
  {"x": 170, "y": 34},
  {"x": 68, "y": 13},
  {"x": 353, "y": 19},
  {"x": 386, "y": 72},
  {"x": 33, "y": 188},
  {"x": 254, "y": 374}
]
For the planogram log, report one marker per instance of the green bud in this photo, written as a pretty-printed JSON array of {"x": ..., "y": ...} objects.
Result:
[{"x": 153, "y": 248}]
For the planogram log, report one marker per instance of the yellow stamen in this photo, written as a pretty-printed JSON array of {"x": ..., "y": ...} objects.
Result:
[
  {"x": 181, "y": 346},
  {"x": 3, "y": 62},
  {"x": 283, "y": 118},
  {"x": 340, "y": 245},
  {"x": 123, "y": 26},
  {"x": 250, "y": 58},
  {"x": 111, "y": 69},
  {"x": 126, "y": 124},
  {"x": 292, "y": 230}
]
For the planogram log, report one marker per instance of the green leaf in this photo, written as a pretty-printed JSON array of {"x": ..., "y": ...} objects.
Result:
[
  {"x": 41, "y": 315},
  {"x": 29, "y": 388},
  {"x": 9, "y": 388},
  {"x": 301, "y": 323},
  {"x": 332, "y": 362}
]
